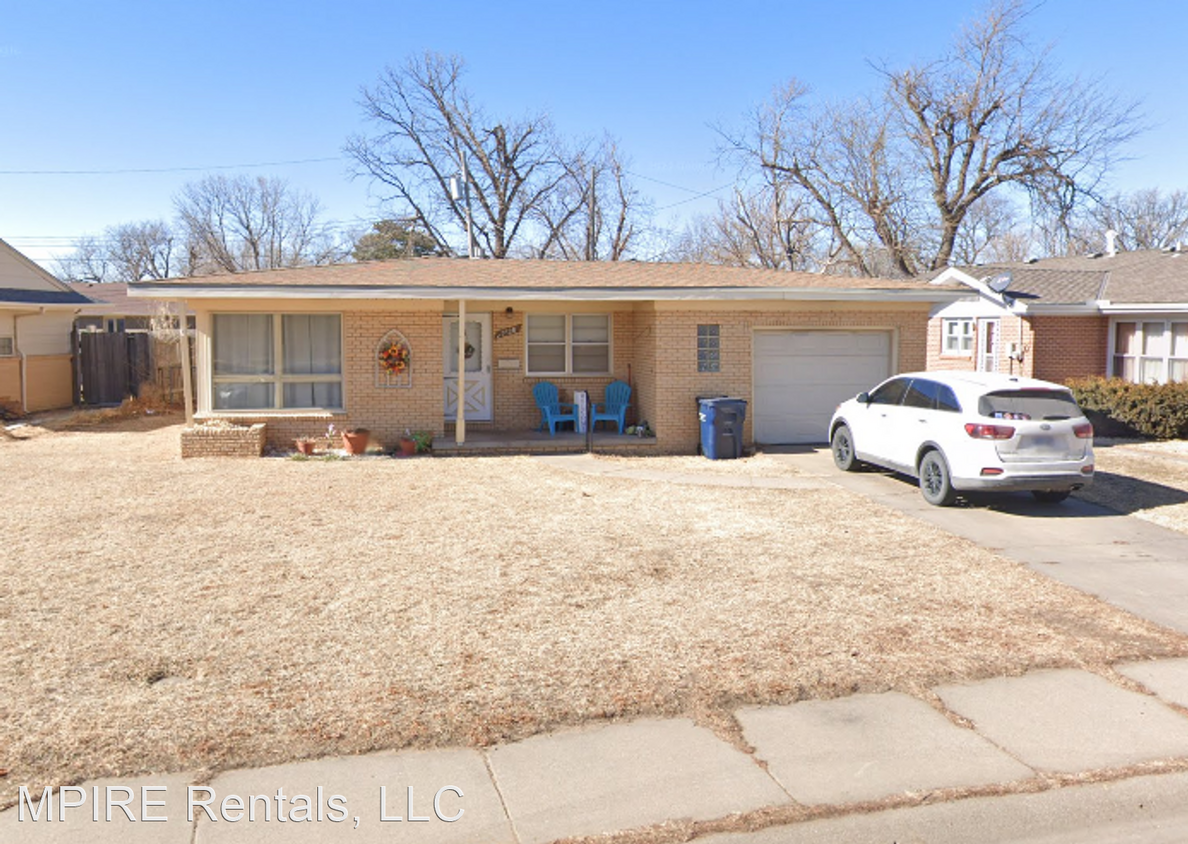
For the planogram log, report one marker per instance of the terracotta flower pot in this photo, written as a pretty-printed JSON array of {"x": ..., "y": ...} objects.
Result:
[
  {"x": 355, "y": 442},
  {"x": 305, "y": 447},
  {"x": 408, "y": 447}
]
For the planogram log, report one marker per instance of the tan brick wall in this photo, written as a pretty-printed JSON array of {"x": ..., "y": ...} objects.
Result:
[
  {"x": 51, "y": 384},
  {"x": 10, "y": 383},
  {"x": 228, "y": 441},
  {"x": 1009, "y": 328},
  {"x": 515, "y": 408},
  {"x": 1070, "y": 347},
  {"x": 678, "y": 383}
]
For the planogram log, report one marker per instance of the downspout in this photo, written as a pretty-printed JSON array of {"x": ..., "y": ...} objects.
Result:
[{"x": 16, "y": 341}]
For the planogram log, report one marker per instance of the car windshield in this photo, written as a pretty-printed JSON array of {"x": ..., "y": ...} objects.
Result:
[{"x": 1029, "y": 404}]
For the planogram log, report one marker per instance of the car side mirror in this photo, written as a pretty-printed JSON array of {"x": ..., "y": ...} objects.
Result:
[{"x": 863, "y": 398}]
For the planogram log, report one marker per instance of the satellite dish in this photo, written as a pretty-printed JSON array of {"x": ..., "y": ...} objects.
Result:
[{"x": 1000, "y": 282}]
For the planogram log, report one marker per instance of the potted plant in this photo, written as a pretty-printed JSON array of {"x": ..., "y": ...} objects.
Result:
[
  {"x": 354, "y": 440},
  {"x": 423, "y": 440},
  {"x": 305, "y": 445}
]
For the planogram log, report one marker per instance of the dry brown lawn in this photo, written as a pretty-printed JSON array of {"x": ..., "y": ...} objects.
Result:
[
  {"x": 1144, "y": 479},
  {"x": 166, "y": 615}
]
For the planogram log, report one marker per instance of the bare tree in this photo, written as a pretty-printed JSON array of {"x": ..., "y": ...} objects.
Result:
[
  {"x": 125, "y": 252},
  {"x": 529, "y": 196},
  {"x": 991, "y": 232},
  {"x": 235, "y": 224},
  {"x": 896, "y": 177},
  {"x": 1143, "y": 219},
  {"x": 596, "y": 214},
  {"x": 766, "y": 228}
]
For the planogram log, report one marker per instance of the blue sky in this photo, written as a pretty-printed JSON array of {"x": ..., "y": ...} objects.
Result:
[{"x": 166, "y": 86}]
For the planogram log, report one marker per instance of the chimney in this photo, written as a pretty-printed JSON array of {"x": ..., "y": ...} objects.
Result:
[{"x": 1111, "y": 246}]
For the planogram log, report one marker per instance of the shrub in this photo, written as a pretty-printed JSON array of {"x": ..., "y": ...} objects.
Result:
[{"x": 1120, "y": 408}]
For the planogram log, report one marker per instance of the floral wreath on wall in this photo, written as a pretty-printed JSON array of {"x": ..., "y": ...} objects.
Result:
[{"x": 393, "y": 361}]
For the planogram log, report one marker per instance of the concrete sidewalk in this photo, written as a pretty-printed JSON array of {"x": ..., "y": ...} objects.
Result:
[
  {"x": 824, "y": 758},
  {"x": 1052, "y": 756}
]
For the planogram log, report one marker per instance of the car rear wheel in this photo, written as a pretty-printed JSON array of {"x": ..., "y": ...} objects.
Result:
[
  {"x": 1050, "y": 496},
  {"x": 935, "y": 485},
  {"x": 843, "y": 449}
]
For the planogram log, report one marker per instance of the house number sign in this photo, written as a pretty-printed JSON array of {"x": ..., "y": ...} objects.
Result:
[{"x": 509, "y": 331}]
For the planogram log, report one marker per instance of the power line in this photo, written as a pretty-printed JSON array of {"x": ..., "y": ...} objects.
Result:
[{"x": 134, "y": 170}]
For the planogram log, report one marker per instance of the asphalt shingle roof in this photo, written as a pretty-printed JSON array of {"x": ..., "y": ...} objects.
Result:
[
  {"x": 42, "y": 297},
  {"x": 1150, "y": 276},
  {"x": 543, "y": 275}
]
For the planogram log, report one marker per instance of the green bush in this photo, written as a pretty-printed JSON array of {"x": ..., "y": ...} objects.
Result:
[{"x": 1119, "y": 408}]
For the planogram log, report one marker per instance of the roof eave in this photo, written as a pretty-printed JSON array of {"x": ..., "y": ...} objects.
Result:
[{"x": 1108, "y": 307}]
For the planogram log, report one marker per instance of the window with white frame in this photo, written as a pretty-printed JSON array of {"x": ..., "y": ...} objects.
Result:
[
  {"x": 276, "y": 361},
  {"x": 568, "y": 344},
  {"x": 957, "y": 336},
  {"x": 7, "y": 348},
  {"x": 709, "y": 348},
  {"x": 1151, "y": 351}
]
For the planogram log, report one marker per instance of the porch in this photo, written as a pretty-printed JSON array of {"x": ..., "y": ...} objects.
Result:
[{"x": 479, "y": 442}]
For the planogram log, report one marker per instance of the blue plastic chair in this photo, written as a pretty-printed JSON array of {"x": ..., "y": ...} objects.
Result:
[
  {"x": 551, "y": 410},
  {"x": 614, "y": 408}
]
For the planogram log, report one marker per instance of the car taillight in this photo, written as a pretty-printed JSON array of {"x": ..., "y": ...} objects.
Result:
[
  {"x": 1085, "y": 431},
  {"x": 989, "y": 432}
]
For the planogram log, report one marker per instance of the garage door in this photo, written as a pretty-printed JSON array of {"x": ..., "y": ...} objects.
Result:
[{"x": 801, "y": 376}]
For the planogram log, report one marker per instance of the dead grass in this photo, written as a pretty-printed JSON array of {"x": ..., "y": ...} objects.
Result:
[
  {"x": 1144, "y": 479},
  {"x": 166, "y": 615}
]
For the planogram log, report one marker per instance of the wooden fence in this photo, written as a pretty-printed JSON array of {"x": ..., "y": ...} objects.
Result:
[{"x": 112, "y": 367}]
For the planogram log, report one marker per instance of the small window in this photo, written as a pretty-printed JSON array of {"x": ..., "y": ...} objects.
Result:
[
  {"x": 709, "y": 348},
  {"x": 7, "y": 349},
  {"x": 957, "y": 337},
  {"x": 890, "y": 393}
]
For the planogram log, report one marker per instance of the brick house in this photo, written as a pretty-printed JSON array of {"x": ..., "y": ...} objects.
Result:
[
  {"x": 299, "y": 348},
  {"x": 36, "y": 315},
  {"x": 1122, "y": 314}
]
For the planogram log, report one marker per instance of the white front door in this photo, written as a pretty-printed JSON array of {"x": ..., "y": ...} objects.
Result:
[
  {"x": 987, "y": 345},
  {"x": 478, "y": 367}
]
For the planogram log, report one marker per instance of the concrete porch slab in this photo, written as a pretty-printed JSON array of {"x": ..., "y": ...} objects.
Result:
[
  {"x": 606, "y": 779},
  {"x": 1069, "y": 720},
  {"x": 870, "y": 746},
  {"x": 79, "y": 824},
  {"x": 358, "y": 779}
]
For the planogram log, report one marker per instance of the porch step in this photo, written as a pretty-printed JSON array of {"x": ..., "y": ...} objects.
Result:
[{"x": 532, "y": 442}]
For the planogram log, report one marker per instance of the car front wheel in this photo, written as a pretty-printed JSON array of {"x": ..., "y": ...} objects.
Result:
[
  {"x": 935, "y": 484},
  {"x": 843, "y": 449}
]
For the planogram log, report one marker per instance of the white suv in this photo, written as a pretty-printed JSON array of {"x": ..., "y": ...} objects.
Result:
[{"x": 965, "y": 431}]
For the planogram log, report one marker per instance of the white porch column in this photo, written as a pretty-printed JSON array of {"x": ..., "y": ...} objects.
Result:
[
  {"x": 187, "y": 384},
  {"x": 460, "y": 416}
]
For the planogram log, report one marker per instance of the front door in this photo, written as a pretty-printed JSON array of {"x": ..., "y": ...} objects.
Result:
[
  {"x": 478, "y": 366},
  {"x": 987, "y": 345}
]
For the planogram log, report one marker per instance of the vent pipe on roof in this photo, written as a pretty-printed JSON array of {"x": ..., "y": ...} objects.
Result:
[{"x": 1111, "y": 243}]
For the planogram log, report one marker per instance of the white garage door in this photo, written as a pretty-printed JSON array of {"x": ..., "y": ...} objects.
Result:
[{"x": 801, "y": 376}]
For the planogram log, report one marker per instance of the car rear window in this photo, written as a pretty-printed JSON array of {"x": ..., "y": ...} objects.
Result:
[{"x": 1029, "y": 404}]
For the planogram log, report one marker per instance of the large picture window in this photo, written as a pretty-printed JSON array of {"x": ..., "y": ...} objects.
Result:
[
  {"x": 568, "y": 344},
  {"x": 277, "y": 361},
  {"x": 1151, "y": 351}
]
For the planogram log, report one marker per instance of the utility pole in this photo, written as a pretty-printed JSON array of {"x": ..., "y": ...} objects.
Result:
[{"x": 591, "y": 229}]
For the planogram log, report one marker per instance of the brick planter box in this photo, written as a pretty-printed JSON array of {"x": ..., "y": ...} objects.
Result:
[{"x": 223, "y": 441}]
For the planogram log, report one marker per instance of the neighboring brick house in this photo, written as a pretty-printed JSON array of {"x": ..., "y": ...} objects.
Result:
[
  {"x": 1121, "y": 314},
  {"x": 36, "y": 314},
  {"x": 300, "y": 348}
]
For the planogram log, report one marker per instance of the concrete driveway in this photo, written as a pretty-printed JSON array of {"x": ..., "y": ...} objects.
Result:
[{"x": 1132, "y": 564}]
